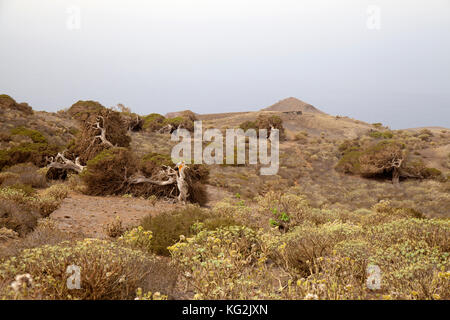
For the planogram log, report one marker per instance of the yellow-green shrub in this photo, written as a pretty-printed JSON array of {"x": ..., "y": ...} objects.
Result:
[
  {"x": 226, "y": 263},
  {"x": 137, "y": 238},
  {"x": 107, "y": 270}
]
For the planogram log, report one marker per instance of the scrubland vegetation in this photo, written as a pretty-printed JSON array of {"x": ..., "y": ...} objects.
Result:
[{"x": 337, "y": 208}]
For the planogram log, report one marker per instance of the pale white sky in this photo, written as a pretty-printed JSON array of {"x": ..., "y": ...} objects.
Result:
[{"x": 233, "y": 55}]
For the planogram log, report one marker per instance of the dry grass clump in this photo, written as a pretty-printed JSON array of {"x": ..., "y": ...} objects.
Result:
[
  {"x": 115, "y": 228},
  {"x": 50, "y": 199},
  {"x": 18, "y": 211},
  {"x": 21, "y": 210},
  {"x": 25, "y": 174},
  {"x": 46, "y": 232}
]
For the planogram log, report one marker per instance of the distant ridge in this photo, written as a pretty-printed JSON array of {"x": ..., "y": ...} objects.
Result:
[{"x": 292, "y": 104}]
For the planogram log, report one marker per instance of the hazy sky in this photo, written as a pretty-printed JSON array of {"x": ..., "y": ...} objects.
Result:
[{"x": 232, "y": 55}]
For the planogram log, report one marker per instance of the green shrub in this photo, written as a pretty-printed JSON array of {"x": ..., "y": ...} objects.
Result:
[
  {"x": 432, "y": 173},
  {"x": 381, "y": 135},
  {"x": 34, "y": 135},
  {"x": 249, "y": 125},
  {"x": 433, "y": 232},
  {"x": 153, "y": 122},
  {"x": 167, "y": 227},
  {"x": 6, "y": 102},
  {"x": 27, "y": 190},
  {"x": 180, "y": 121},
  {"x": 265, "y": 122},
  {"x": 35, "y": 153},
  {"x": 153, "y": 161},
  {"x": 349, "y": 163}
]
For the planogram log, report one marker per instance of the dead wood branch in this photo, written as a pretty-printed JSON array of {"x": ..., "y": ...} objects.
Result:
[{"x": 61, "y": 162}]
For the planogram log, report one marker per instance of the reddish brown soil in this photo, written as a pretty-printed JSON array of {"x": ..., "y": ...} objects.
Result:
[{"x": 87, "y": 215}]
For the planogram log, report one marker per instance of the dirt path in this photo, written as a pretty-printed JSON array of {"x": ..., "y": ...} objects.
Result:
[{"x": 87, "y": 215}]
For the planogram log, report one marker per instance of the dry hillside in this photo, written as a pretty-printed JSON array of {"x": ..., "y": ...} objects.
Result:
[{"x": 111, "y": 205}]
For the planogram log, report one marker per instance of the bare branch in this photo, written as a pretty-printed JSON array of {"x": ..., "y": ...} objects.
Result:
[
  {"x": 102, "y": 135},
  {"x": 61, "y": 162}
]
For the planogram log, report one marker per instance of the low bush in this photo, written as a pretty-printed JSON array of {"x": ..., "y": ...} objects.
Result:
[
  {"x": 138, "y": 238},
  {"x": 381, "y": 135},
  {"x": 167, "y": 227},
  {"x": 114, "y": 228},
  {"x": 82, "y": 110},
  {"x": 20, "y": 210},
  {"x": 34, "y": 135},
  {"x": 107, "y": 270},
  {"x": 226, "y": 263},
  {"x": 265, "y": 122},
  {"x": 8, "y": 103},
  {"x": 301, "y": 247},
  {"x": 46, "y": 232},
  {"x": 51, "y": 198}
]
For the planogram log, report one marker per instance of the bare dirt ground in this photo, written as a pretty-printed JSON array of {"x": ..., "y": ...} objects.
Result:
[{"x": 87, "y": 215}]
